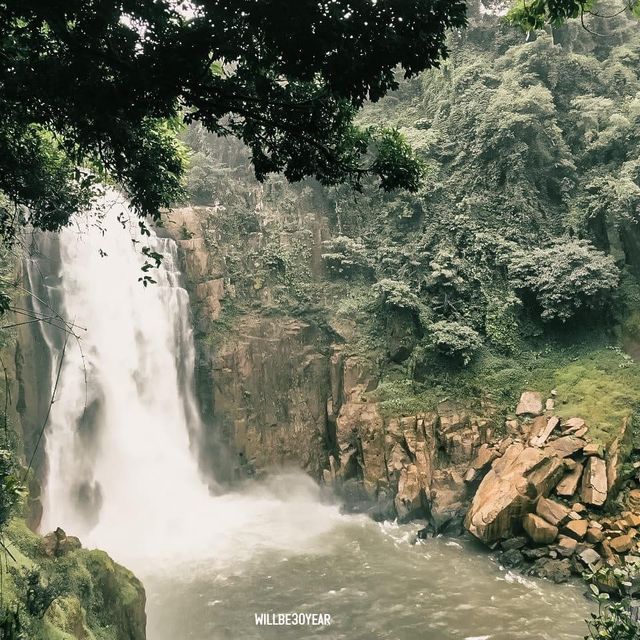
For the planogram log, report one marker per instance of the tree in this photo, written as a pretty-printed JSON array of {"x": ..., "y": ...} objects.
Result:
[
  {"x": 102, "y": 84},
  {"x": 535, "y": 14}
]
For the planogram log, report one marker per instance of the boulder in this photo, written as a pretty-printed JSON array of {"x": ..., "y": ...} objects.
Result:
[
  {"x": 566, "y": 546},
  {"x": 484, "y": 457},
  {"x": 566, "y": 446},
  {"x": 621, "y": 544},
  {"x": 573, "y": 424},
  {"x": 556, "y": 570},
  {"x": 593, "y": 449},
  {"x": 68, "y": 544},
  {"x": 510, "y": 490},
  {"x": 57, "y": 543},
  {"x": 569, "y": 484},
  {"x": 538, "y": 529},
  {"x": 530, "y": 404},
  {"x": 514, "y": 543},
  {"x": 553, "y": 512},
  {"x": 576, "y": 529},
  {"x": 633, "y": 500},
  {"x": 535, "y": 553},
  {"x": 552, "y": 423},
  {"x": 594, "y": 482},
  {"x": 511, "y": 558},
  {"x": 590, "y": 557},
  {"x": 632, "y": 519}
]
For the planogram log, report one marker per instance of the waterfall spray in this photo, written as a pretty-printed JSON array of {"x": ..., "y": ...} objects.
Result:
[{"x": 122, "y": 473}]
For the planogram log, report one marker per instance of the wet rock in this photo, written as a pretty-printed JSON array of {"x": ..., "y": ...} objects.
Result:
[
  {"x": 556, "y": 570},
  {"x": 509, "y": 490},
  {"x": 530, "y": 404},
  {"x": 448, "y": 496},
  {"x": 594, "y": 482},
  {"x": 535, "y": 554},
  {"x": 569, "y": 484},
  {"x": 511, "y": 558},
  {"x": 452, "y": 528},
  {"x": 538, "y": 529},
  {"x": 514, "y": 543},
  {"x": 553, "y": 512},
  {"x": 408, "y": 500},
  {"x": 425, "y": 533}
]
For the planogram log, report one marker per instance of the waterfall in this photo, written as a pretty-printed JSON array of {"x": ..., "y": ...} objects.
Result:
[{"x": 121, "y": 469}]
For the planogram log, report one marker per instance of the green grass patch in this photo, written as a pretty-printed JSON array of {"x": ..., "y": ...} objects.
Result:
[{"x": 593, "y": 378}]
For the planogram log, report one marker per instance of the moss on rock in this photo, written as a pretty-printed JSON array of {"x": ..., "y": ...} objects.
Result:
[{"x": 77, "y": 595}]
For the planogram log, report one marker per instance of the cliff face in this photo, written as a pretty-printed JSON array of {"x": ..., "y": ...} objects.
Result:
[{"x": 280, "y": 385}]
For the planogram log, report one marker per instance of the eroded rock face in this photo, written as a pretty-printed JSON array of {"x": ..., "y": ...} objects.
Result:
[
  {"x": 510, "y": 490},
  {"x": 268, "y": 394},
  {"x": 420, "y": 461}
]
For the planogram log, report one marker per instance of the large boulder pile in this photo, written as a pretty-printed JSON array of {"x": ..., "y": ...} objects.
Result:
[{"x": 542, "y": 493}]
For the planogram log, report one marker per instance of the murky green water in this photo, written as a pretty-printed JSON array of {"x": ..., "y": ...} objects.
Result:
[{"x": 374, "y": 583}]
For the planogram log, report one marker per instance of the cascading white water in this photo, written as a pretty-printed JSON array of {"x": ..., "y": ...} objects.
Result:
[{"x": 121, "y": 471}]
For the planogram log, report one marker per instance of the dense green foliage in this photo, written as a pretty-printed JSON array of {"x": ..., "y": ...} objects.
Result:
[
  {"x": 95, "y": 90},
  {"x": 535, "y": 14},
  {"x": 511, "y": 231},
  {"x": 512, "y": 265}
]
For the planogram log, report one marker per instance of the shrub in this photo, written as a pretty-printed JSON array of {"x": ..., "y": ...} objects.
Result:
[
  {"x": 396, "y": 294},
  {"x": 455, "y": 339},
  {"x": 564, "y": 277},
  {"x": 346, "y": 256}
]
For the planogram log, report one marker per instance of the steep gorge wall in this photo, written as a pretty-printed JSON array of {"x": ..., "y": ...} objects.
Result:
[{"x": 279, "y": 389}]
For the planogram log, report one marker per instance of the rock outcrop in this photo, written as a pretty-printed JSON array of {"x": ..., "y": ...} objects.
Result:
[{"x": 510, "y": 490}]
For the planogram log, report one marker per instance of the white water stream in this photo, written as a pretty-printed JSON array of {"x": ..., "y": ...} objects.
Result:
[{"x": 123, "y": 476}]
